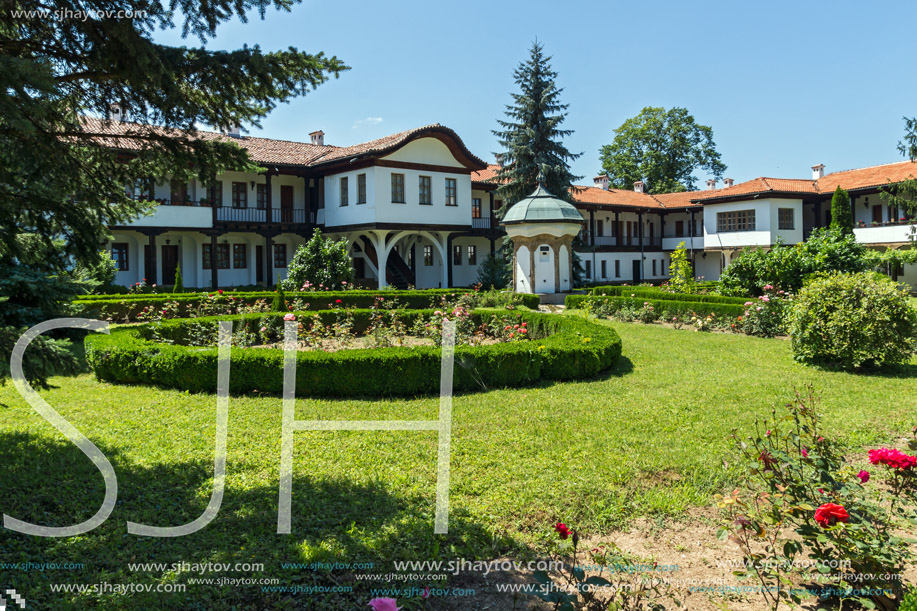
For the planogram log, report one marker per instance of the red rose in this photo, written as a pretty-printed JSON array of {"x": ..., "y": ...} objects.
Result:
[
  {"x": 562, "y": 530},
  {"x": 337, "y": 301},
  {"x": 829, "y": 514}
]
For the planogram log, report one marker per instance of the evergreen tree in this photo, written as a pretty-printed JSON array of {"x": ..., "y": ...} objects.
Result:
[
  {"x": 494, "y": 272},
  {"x": 903, "y": 195},
  {"x": 280, "y": 301},
  {"x": 531, "y": 136},
  {"x": 681, "y": 273},
  {"x": 60, "y": 173},
  {"x": 841, "y": 213},
  {"x": 179, "y": 281}
]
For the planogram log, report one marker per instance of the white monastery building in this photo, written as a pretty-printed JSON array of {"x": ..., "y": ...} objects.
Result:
[{"x": 418, "y": 208}]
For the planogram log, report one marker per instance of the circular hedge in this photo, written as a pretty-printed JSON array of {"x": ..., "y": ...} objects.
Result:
[{"x": 561, "y": 348}]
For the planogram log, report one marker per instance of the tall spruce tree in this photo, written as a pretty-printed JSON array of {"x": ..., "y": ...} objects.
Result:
[
  {"x": 531, "y": 136},
  {"x": 841, "y": 213},
  {"x": 903, "y": 195}
]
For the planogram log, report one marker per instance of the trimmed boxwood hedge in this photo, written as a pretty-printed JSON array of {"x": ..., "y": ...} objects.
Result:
[
  {"x": 120, "y": 306},
  {"x": 563, "y": 348},
  {"x": 648, "y": 293},
  {"x": 663, "y": 307}
]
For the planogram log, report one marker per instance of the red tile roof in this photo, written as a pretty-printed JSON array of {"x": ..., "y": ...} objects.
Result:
[
  {"x": 281, "y": 152},
  {"x": 863, "y": 178},
  {"x": 487, "y": 174}
]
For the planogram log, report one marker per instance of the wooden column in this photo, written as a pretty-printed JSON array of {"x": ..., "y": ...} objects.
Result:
[
  {"x": 592, "y": 228},
  {"x": 152, "y": 263},
  {"x": 449, "y": 257},
  {"x": 268, "y": 198},
  {"x": 214, "y": 272},
  {"x": 268, "y": 260}
]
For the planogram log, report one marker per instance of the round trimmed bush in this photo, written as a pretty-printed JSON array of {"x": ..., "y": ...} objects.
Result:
[
  {"x": 852, "y": 321},
  {"x": 566, "y": 348}
]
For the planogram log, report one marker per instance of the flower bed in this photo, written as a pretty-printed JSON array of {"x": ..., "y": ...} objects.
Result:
[
  {"x": 560, "y": 348},
  {"x": 130, "y": 308}
]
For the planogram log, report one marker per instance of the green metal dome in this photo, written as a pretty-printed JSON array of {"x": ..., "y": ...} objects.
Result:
[{"x": 541, "y": 207}]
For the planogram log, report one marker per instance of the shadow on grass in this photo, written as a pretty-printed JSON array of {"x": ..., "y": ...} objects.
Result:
[
  {"x": 897, "y": 371},
  {"x": 334, "y": 520}
]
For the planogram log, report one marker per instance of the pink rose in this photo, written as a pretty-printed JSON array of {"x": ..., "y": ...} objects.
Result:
[
  {"x": 863, "y": 475},
  {"x": 893, "y": 458},
  {"x": 805, "y": 453},
  {"x": 384, "y": 604},
  {"x": 289, "y": 316}
]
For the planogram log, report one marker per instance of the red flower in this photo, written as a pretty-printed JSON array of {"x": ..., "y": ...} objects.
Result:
[
  {"x": 767, "y": 460},
  {"x": 562, "y": 530},
  {"x": 893, "y": 458},
  {"x": 338, "y": 301},
  {"x": 830, "y": 514},
  {"x": 220, "y": 291}
]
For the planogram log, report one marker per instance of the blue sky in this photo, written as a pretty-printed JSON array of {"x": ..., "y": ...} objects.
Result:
[{"x": 785, "y": 85}]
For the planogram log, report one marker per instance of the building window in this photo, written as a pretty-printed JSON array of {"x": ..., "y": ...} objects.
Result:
[
  {"x": 456, "y": 255},
  {"x": 345, "y": 191},
  {"x": 786, "y": 219},
  {"x": 280, "y": 255},
  {"x": 589, "y": 269},
  {"x": 361, "y": 188},
  {"x": 604, "y": 269},
  {"x": 222, "y": 256},
  {"x": 239, "y": 195},
  {"x": 428, "y": 255},
  {"x": 451, "y": 189},
  {"x": 119, "y": 256},
  {"x": 476, "y": 211},
  {"x": 679, "y": 229},
  {"x": 599, "y": 229},
  {"x": 426, "y": 190},
  {"x": 261, "y": 196},
  {"x": 739, "y": 220},
  {"x": 398, "y": 188},
  {"x": 617, "y": 268},
  {"x": 179, "y": 192},
  {"x": 472, "y": 255},
  {"x": 654, "y": 267},
  {"x": 215, "y": 194},
  {"x": 239, "y": 258}
]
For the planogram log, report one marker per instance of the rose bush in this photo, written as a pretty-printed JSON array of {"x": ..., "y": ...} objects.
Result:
[{"x": 804, "y": 510}]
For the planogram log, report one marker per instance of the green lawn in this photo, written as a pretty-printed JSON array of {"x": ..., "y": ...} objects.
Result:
[{"x": 648, "y": 440}]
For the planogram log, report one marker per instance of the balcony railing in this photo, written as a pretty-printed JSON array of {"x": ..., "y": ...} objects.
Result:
[
  {"x": 295, "y": 216},
  {"x": 481, "y": 223},
  {"x": 605, "y": 240},
  {"x": 241, "y": 215}
]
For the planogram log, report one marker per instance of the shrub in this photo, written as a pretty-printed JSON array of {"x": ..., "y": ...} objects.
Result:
[
  {"x": 803, "y": 511},
  {"x": 562, "y": 348},
  {"x": 787, "y": 267},
  {"x": 494, "y": 272},
  {"x": 320, "y": 262},
  {"x": 765, "y": 316},
  {"x": 655, "y": 293},
  {"x": 680, "y": 272},
  {"x": 280, "y": 303},
  {"x": 853, "y": 320},
  {"x": 841, "y": 213},
  {"x": 179, "y": 282}
]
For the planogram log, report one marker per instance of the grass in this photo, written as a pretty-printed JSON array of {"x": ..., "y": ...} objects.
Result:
[{"x": 648, "y": 440}]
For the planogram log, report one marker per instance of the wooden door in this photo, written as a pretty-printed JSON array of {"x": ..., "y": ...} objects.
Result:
[
  {"x": 169, "y": 263},
  {"x": 877, "y": 214},
  {"x": 259, "y": 263},
  {"x": 286, "y": 203}
]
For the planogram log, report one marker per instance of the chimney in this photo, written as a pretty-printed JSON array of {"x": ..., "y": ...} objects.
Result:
[
  {"x": 116, "y": 114},
  {"x": 711, "y": 184},
  {"x": 499, "y": 159},
  {"x": 600, "y": 182},
  {"x": 638, "y": 186},
  {"x": 234, "y": 131},
  {"x": 818, "y": 171},
  {"x": 318, "y": 138},
  {"x": 728, "y": 182}
]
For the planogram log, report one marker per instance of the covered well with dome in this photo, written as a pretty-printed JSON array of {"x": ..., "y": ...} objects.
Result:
[{"x": 542, "y": 228}]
